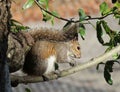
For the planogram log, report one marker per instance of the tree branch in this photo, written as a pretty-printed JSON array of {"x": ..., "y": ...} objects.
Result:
[
  {"x": 90, "y": 63},
  {"x": 70, "y": 20}
]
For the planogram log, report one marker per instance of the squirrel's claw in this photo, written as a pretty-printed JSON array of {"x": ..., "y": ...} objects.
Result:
[
  {"x": 45, "y": 78},
  {"x": 72, "y": 63}
]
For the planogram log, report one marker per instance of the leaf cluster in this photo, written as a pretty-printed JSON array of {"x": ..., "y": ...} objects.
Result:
[
  {"x": 102, "y": 28},
  {"x": 108, "y": 69},
  {"x": 17, "y": 26},
  {"x": 43, "y": 4}
]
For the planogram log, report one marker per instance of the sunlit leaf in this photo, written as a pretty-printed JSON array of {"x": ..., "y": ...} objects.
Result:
[
  {"x": 44, "y": 3},
  {"x": 117, "y": 4},
  {"x": 46, "y": 16},
  {"x": 104, "y": 8},
  {"x": 55, "y": 13},
  {"x": 82, "y": 30},
  {"x": 52, "y": 20},
  {"x": 115, "y": 56},
  {"x": 28, "y": 4},
  {"x": 82, "y": 15}
]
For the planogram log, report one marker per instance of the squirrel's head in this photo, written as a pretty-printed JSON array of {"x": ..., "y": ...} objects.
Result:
[{"x": 75, "y": 49}]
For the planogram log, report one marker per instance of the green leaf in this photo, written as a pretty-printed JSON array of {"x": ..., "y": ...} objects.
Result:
[
  {"x": 108, "y": 78},
  {"x": 117, "y": 4},
  {"x": 109, "y": 48},
  {"x": 52, "y": 17},
  {"x": 99, "y": 32},
  {"x": 117, "y": 16},
  {"x": 108, "y": 69},
  {"x": 44, "y": 3},
  {"x": 104, "y": 8},
  {"x": 17, "y": 26},
  {"x": 52, "y": 20},
  {"x": 46, "y": 16},
  {"x": 82, "y": 15},
  {"x": 82, "y": 30},
  {"x": 115, "y": 56},
  {"x": 55, "y": 13},
  {"x": 27, "y": 90},
  {"x": 106, "y": 27},
  {"x": 109, "y": 66},
  {"x": 28, "y": 4},
  {"x": 47, "y": 1}
]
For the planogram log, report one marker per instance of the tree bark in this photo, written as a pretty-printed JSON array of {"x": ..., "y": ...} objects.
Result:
[{"x": 5, "y": 16}]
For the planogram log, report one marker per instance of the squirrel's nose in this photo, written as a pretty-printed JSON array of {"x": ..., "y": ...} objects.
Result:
[{"x": 78, "y": 56}]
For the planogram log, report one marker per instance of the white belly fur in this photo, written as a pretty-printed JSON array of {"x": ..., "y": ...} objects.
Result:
[{"x": 51, "y": 60}]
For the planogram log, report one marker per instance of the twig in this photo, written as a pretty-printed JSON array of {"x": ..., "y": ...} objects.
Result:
[
  {"x": 90, "y": 63},
  {"x": 69, "y": 20},
  {"x": 51, "y": 13}
]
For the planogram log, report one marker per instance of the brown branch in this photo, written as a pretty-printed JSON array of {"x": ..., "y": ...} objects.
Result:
[
  {"x": 71, "y": 20},
  {"x": 90, "y": 63}
]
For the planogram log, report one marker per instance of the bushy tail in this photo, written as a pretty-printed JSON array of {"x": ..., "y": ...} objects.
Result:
[{"x": 55, "y": 35}]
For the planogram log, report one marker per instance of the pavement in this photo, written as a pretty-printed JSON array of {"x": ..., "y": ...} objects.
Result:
[{"x": 88, "y": 80}]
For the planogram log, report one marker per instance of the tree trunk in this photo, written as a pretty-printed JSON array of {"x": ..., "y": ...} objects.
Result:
[{"x": 5, "y": 16}]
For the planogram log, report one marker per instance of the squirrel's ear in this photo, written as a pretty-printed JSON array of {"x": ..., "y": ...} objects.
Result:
[{"x": 71, "y": 31}]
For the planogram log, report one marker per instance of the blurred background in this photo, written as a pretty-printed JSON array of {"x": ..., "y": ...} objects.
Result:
[
  {"x": 65, "y": 8},
  {"x": 88, "y": 80}
]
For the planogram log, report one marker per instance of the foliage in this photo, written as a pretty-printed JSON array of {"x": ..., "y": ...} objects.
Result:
[
  {"x": 108, "y": 69},
  {"x": 17, "y": 26},
  {"x": 102, "y": 27},
  {"x": 27, "y": 90}
]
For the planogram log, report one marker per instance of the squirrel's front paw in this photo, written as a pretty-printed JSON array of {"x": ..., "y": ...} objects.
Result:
[
  {"x": 57, "y": 72},
  {"x": 45, "y": 78},
  {"x": 73, "y": 63}
]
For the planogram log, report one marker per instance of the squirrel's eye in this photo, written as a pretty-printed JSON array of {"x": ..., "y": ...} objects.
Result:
[{"x": 78, "y": 48}]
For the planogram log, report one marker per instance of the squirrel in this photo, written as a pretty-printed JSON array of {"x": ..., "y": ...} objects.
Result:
[
  {"x": 21, "y": 42},
  {"x": 44, "y": 54}
]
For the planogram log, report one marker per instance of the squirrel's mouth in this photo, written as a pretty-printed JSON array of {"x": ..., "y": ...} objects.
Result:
[{"x": 74, "y": 56}]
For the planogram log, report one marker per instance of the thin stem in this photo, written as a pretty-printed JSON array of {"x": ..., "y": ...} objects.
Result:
[
  {"x": 91, "y": 24},
  {"x": 51, "y": 13},
  {"x": 69, "y": 20}
]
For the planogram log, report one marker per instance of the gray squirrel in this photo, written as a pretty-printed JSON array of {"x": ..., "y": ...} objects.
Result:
[
  {"x": 43, "y": 55},
  {"x": 56, "y": 47},
  {"x": 46, "y": 46}
]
